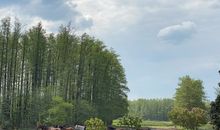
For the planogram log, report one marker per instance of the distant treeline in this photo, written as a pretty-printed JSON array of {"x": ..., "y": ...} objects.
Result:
[
  {"x": 36, "y": 66},
  {"x": 151, "y": 109}
]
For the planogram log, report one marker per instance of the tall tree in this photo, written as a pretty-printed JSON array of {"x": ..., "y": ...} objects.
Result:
[
  {"x": 189, "y": 107},
  {"x": 190, "y": 93},
  {"x": 6, "y": 99}
]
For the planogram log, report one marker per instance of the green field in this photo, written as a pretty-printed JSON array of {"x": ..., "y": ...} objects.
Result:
[
  {"x": 148, "y": 123},
  {"x": 164, "y": 124},
  {"x": 152, "y": 124}
]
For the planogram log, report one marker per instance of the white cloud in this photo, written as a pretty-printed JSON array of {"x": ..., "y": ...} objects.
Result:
[
  {"x": 108, "y": 16},
  {"x": 8, "y": 12},
  {"x": 177, "y": 33},
  {"x": 119, "y": 16},
  {"x": 51, "y": 13},
  {"x": 49, "y": 25},
  {"x": 29, "y": 21},
  {"x": 201, "y": 4}
]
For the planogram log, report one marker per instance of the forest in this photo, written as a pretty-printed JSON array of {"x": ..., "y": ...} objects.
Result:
[
  {"x": 42, "y": 74},
  {"x": 151, "y": 109}
]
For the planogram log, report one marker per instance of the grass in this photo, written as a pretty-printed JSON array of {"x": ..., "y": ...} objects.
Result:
[
  {"x": 147, "y": 123},
  {"x": 153, "y": 124},
  {"x": 206, "y": 127},
  {"x": 164, "y": 124}
]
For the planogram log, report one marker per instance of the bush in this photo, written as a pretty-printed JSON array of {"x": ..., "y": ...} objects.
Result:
[
  {"x": 59, "y": 111},
  {"x": 131, "y": 122},
  {"x": 94, "y": 124},
  {"x": 189, "y": 119}
]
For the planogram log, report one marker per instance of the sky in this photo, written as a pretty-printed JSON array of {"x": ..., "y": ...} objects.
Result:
[{"x": 158, "y": 41}]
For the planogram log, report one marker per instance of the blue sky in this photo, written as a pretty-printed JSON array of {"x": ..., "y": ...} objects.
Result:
[{"x": 158, "y": 40}]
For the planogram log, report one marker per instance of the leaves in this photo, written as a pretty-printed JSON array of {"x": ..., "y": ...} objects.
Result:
[
  {"x": 189, "y": 107},
  {"x": 190, "y": 93},
  {"x": 215, "y": 112},
  {"x": 59, "y": 111},
  {"x": 130, "y": 122},
  {"x": 189, "y": 119},
  {"x": 36, "y": 66},
  {"x": 94, "y": 124}
]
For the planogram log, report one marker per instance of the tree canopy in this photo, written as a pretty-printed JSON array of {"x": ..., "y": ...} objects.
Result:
[{"x": 189, "y": 93}]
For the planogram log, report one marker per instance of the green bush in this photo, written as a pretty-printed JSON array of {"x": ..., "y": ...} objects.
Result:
[
  {"x": 59, "y": 111},
  {"x": 189, "y": 119},
  {"x": 94, "y": 124},
  {"x": 131, "y": 122}
]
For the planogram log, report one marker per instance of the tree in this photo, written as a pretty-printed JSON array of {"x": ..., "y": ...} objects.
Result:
[
  {"x": 189, "y": 107},
  {"x": 215, "y": 111},
  {"x": 6, "y": 81},
  {"x": 190, "y": 93}
]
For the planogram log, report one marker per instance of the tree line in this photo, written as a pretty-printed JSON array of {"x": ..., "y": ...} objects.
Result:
[
  {"x": 151, "y": 109},
  {"x": 36, "y": 66}
]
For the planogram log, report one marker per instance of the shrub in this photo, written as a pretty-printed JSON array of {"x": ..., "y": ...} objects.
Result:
[
  {"x": 189, "y": 119},
  {"x": 94, "y": 124},
  {"x": 59, "y": 111},
  {"x": 131, "y": 122}
]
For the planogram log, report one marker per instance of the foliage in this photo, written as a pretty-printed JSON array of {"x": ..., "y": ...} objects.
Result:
[
  {"x": 190, "y": 93},
  {"x": 59, "y": 111},
  {"x": 190, "y": 119},
  {"x": 85, "y": 111},
  {"x": 215, "y": 112},
  {"x": 189, "y": 106},
  {"x": 130, "y": 121},
  {"x": 94, "y": 124},
  {"x": 151, "y": 109},
  {"x": 36, "y": 66}
]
